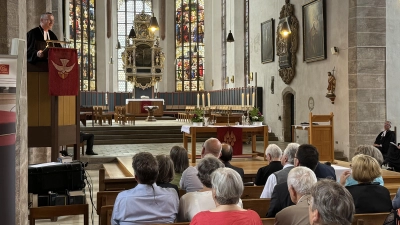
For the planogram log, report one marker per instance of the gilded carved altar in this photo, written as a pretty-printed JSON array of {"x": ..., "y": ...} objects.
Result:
[{"x": 143, "y": 58}]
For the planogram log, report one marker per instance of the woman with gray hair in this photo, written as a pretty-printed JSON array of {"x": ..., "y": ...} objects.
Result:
[
  {"x": 299, "y": 182},
  {"x": 347, "y": 179},
  {"x": 330, "y": 203},
  {"x": 227, "y": 187},
  {"x": 194, "y": 202}
]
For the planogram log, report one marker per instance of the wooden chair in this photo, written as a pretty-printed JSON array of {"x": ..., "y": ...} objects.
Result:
[
  {"x": 117, "y": 113},
  {"x": 369, "y": 218},
  {"x": 252, "y": 192},
  {"x": 260, "y": 205},
  {"x": 49, "y": 212},
  {"x": 126, "y": 117},
  {"x": 103, "y": 117}
]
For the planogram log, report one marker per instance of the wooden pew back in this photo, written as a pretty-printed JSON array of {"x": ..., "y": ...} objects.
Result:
[
  {"x": 369, "y": 218},
  {"x": 260, "y": 205},
  {"x": 252, "y": 192}
]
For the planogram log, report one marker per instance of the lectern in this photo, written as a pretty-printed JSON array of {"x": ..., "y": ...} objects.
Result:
[
  {"x": 321, "y": 136},
  {"x": 53, "y": 121}
]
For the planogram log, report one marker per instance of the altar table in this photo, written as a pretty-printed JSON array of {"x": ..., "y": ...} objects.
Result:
[
  {"x": 135, "y": 106},
  {"x": 191, "y": 131}
]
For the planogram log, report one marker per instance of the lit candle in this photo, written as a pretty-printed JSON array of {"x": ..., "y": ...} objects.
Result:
[
  {"x": 253, "y": 99},
  {"x": 202, "y": 98},
  {"x": 208, "y": 98},
  {"x": 248, "y": 99},
  {"x": 198, "y": 100},
  {"x": 242, "y": 99}
]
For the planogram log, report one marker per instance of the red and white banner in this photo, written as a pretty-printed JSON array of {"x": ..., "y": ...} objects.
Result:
[{"x": 63, "y": 71}]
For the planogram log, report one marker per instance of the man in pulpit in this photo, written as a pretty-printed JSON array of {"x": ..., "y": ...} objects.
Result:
[
  {"x": 36, "y": 39},
  {"x": 382, "y": 141}
]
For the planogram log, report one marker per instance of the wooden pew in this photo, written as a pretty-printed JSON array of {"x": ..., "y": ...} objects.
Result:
[
  {"x": 107, "y": 184},
  {"x": 49, "y": 212},
  {"x": 260, "y": 205},
  {"x": 252, "y": 192},
  {"x": 106, "y": 213},
  {"x": 369, "y": 219}
]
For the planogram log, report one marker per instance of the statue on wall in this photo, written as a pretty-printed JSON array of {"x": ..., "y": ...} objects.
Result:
[
  {"x": 287, "y": 43},
  {"x": 331, "y": 84}
]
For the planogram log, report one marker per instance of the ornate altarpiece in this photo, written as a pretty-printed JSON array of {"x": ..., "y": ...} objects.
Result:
[
  {"x": 286, "y": 46},
  {"x": 143, "y": 58}
]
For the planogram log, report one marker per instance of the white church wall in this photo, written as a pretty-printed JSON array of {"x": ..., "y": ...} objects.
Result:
[
  {"x": 311, "y": 79},
  {"x": 392, "y": 64}
]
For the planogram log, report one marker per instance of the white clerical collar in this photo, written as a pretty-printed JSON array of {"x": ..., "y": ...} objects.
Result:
[{"x": 46, "y": 35}]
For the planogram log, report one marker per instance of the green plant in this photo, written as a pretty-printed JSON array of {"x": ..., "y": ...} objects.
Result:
[
  {"x": 197, "y": 115},
  {"x": 255, "y": 115}
]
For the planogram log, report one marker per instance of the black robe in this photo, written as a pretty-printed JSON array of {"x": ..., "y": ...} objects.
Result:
[
  {"x": 36, "y": 42},
  {"x": 390, "y": 136}
]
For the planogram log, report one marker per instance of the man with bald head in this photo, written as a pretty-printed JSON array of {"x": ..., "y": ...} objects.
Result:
[
  {"x": 189, "y": 181},
  {"x": 226, "y": 156}
]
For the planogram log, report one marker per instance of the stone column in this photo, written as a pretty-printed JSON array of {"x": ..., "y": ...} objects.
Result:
[{"x": 367, "y": 73}]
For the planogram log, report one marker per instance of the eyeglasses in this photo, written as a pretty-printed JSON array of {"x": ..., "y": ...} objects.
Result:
[
  {"x": 50, "y": 20},
  {"x": 309, "y": 201}
]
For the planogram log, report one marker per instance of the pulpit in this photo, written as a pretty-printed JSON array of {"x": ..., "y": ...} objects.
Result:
[{"x": 53, "y": 120}]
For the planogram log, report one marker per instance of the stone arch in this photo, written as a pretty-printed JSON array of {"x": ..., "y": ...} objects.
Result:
[{"x": 289, "y": 112}]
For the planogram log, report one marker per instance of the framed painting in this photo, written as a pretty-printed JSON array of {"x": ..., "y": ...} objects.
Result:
[
  {"x": 314, "y": 31},
  {"x": 267, "y": 41}
]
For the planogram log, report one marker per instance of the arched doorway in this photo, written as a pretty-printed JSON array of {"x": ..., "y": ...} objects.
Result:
[{"x": 288, "y": 113}]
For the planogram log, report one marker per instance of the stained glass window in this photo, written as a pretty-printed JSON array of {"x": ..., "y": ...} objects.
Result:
[
  {"x": 82, "y": 34},
  {"x": 127, "y": 9},
  {"x": 189, "y": 39}
]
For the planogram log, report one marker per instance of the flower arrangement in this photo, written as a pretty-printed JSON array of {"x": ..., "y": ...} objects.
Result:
[
  {"x": 255, "y": 115},
  {"x": 197, "y": 116}
]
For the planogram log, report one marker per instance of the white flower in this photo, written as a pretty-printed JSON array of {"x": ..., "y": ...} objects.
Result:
[{"x": 255, "y": 117}]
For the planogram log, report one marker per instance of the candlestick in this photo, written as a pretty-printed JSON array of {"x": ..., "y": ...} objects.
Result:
[
  {"x": 242, "y": 99},
  {"x": 248, "y": 99},
  {"x": 202, "y": 98},
  {"x": 198, "y": 100},
  {"x": 208, "y": 98},
  {"x": 253, "y": 99}
]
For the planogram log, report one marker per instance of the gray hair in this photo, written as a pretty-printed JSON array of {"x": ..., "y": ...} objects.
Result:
[
  {"x": 301, "y": 179},
  {"x": 45, "y": 15},
  {"x": 206, "y": 166},
  {"x": 371, "y": 151},
  {"x": 290, "y": 152},
  {"x": 274, "y": 151},
  {"x": 333, "y": 202},
  {"x": 228, "y": 186}
]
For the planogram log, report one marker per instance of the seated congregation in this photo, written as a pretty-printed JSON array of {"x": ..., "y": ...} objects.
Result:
[{"x": 301, "y": 190}]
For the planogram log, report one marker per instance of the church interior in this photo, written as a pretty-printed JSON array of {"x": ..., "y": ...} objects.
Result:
[{"x": 319, "y": 72}]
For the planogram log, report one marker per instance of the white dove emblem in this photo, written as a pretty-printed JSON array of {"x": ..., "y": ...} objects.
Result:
[{"x": 63, "y": 69}]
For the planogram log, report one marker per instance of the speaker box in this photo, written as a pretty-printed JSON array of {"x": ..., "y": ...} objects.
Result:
[{"x": 55, "y": 177}]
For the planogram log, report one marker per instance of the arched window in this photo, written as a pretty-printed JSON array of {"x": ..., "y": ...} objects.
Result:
[
  {"x": 189, "y": 39},
  {"x": 127, "y": 9}
]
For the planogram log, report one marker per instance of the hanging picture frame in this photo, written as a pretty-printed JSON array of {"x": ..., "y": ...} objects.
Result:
[
  {"x": 314, "y": 31},
  {"x": 267, "y": 41}
]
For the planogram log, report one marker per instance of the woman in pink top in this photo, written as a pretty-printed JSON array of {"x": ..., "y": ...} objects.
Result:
[{"x": 227, "y": 187}]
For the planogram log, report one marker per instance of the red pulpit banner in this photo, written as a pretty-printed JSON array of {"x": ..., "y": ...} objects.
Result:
[
  {"x": 63, "y": 71},
  {"x": 231, "y": 136},
  {"x": 144, "y": 103}
]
